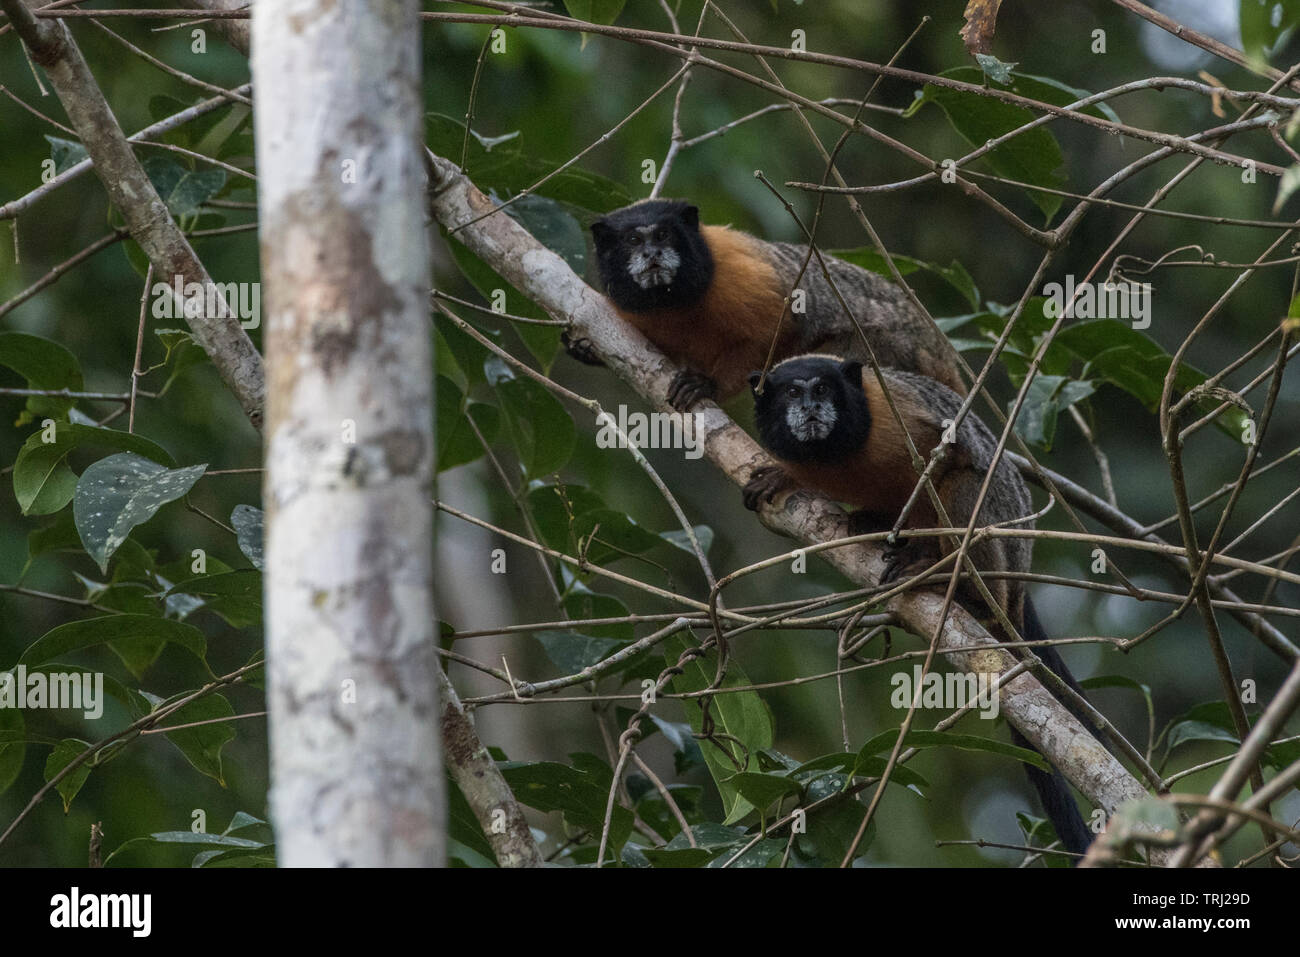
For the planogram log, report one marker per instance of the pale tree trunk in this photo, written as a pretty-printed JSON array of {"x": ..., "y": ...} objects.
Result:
[{"x": 356, "y": 775}]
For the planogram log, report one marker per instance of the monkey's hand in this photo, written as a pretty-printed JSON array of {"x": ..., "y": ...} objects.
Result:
[
  {"x": 903, "y": 559},
  {"x": 689, "y": 387},
  {"x": 580, "y": 349},
  {"x": 764, "y": 485}
]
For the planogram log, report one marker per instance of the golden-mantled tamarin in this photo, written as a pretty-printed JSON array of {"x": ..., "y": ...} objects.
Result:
[
  {"x": 714, "y": 298},
  {"x": 825, "y": 419}
]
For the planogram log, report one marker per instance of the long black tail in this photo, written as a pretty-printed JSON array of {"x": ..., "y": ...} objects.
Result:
[{"x": 1053, "y": 790}]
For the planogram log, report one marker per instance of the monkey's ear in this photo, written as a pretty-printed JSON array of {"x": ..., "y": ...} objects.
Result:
[
  {"x": 601, "y": 231},
  {"x": 754, "y": 379},
  {"x": 691, "y": 217},
  {"x": 851, "y": 369}
]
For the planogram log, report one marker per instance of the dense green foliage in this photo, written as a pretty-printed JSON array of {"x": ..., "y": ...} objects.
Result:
[{"x": 138, "y": 553}]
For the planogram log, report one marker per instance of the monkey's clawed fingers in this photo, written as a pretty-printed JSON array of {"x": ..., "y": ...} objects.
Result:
[
  {"x": 763, "y": 486},
  {"x": 903, "y": 560},
  {"x": 688, "y": 387},
  {"x": 895, "y": 562},
  {"x": 580, "y": 349}
]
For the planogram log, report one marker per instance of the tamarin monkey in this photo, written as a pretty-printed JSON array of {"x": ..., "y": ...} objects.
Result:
[
  {"x": 713, "y": 299},
  {"x": 827, "y": 422}
]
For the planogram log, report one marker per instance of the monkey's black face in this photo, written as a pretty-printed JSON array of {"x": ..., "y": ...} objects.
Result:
[
  {"x": 651, "y": 255},
  {"x": 812, "y": 409}
]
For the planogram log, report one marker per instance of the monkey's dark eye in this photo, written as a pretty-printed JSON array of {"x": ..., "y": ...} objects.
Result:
[
  {"x": 792, "y": 392},
  {"x": 661, "y": 235},
  {"x": 634, "y": 239},
  {"x": 820, "y": 390}
]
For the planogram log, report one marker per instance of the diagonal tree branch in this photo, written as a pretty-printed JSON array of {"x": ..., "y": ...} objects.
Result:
[
  {"x": 147, "y": 220},
  {"x": 476, "y": 774},
  {"x": 542, "y": 276}
]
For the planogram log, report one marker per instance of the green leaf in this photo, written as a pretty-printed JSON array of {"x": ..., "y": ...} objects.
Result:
[
  {"x": 90, "y": 632},
  {"x": 60, "y": 535},
  {"x": 45, "y": 364},
  {"x": 1186, "y": 731},
  {"x": 134, "y": 702},
  {"x": 212, "y": 142},
  {"x": 235, "y": 596},
  {"x": 227, "y": 850},
  {"x": 566, "y": 515},
  {"x": 65, "y": 153},
  {"x": 1209, "y": 721},
  {"x": 832, "y": 829},
  {"x": 710, "y": 836},
  {"x": 1287, "y": 185},
  {"x": 457, "y": 443},
  {"x": 581, "y": 602},
  {"x": 43, "y": 483},
  {"x": 686, "y": 750},
  {"x": 460, "y": 854},
  {"x": 120, "y": 492},
  {"x": 1033, "y": 322},
  {"x": 867, "y": 767},
  {"x": 595, "y": 11},
  {"x": 463, "y": 827},
  {"x": 838, "y": 761},
  {"x": 995, "y": 69},
  {"x": 255, "y": 678},
  {"x": 509, "y": 168},
  {"x": 236, "y": 857},
  {"x": 763, "y": 790},
  {"x": 182, "y": 353},
  {"x": 1120, "y": 681},
  {"x": 161, "y": 106},
  {"x": 207, "y": 840},
  {"x": 954, "y": 274},
  {"x": 1117, "y": 353},
  {"x": 571, "y": 652},
  {"x": 742, "y": 715},
  {"x": 63, "y": 754},
  {"x": 457, "y": 355},
  {"x": 13, "y": 749},
  {"x": 554, "y": 227},
  {"x": 1282, "y": 754},
  {"x": 1039, "y": 832},
  {"x": 1033, "y": 156},
  {"x": 1111, "y": 351},
  {"x": 581, "y": 794},
  {"x": 1048, "y": 397},
  {"x": 488, "y": 142},
  {"x": 202, "y": 744},
  {"x": 136, "y": 257},
  {"x": 247, "y": 522},
  {"x": 1053, "y": 91},
  {"x": 1264, "y": 24},
  {"x": 183, "y": 190},
  {"x": 654, "y": 810},
  {"x": 765, "y": 853},
  {"x": 543, "y": 341},
  {"x": 680, "y": 857},
  {"x": 541, "y": 430},
  {"x": 677, "y": 537}
]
